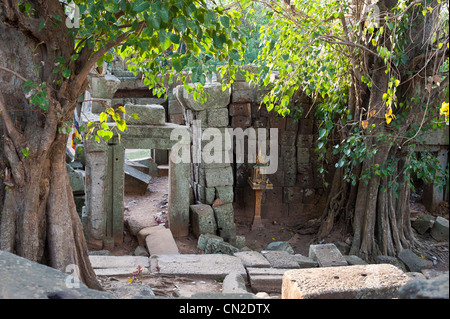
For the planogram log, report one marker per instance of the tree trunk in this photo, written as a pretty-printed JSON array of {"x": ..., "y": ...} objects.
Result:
[
  {"x": 381, "y": 218},
  {"x": 39, "y": 219}
]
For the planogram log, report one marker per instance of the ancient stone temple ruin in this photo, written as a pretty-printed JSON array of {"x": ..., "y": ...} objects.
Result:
[{"x": 204, "y": 197}]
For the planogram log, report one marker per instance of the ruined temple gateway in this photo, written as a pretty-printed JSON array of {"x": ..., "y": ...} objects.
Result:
[{"x": 297, "y": 192}]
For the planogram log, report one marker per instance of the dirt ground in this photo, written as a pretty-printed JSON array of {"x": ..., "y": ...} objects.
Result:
[{"x": 155, "y": 202}]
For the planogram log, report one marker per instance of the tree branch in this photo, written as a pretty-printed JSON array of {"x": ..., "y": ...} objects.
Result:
[
  {"x": 82, "y": 75},
  {"x": 15, "y": 135}
]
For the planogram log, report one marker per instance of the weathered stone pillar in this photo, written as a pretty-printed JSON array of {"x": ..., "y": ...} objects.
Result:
[
  {"x": 94, "y": 222},
  {"x": 115, "y": 188},
  {"x": 179, "y": 197},
  {"x": 433, "y": 194}
]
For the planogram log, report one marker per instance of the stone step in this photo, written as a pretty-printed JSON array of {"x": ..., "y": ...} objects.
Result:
[
  {"x": 266, "y": 279},
  {"x": 280, "y": 259},
  {"x": 327, "y": 255},
  {"x": 159, "y": 240},
  {"x": 380, "y": 281},
  {"x": 190, "y": 265},
  {"x": 163, "y": 170},
  {"x": 252, "y": 259},
  {"x": 118, "y": 265}
]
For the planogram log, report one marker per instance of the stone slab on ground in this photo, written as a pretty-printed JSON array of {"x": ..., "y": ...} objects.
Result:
[
  {"x": 413, "y": 262},
  {"x": 354, "y": 260},
  {"x": 327, "y": 255},
  {"x": 378, "y": 281},
  {"x": 24, "y": 279},
  {"x": 305, "y": 262},
  {"x": 266, "y": 279},
  {"x": 252, "y": 259},
  {"x": 234, "y": 283},
  {"x": 190, "y": 265},
  {"x": 280, "y": 259},
  {"x": 126, "y": 271},
  {"x": 435, "y": 288},
  {"x": 102, "y": 262},
  {"x": 160, "y": 240},
  {"x": 136, "y": 222},
  {"x": 280, "y": 245}
]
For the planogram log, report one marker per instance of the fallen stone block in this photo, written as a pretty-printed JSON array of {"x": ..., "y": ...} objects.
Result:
[
  {"x": 217, "y": 246},
  {"x": 103, "y": 262},
  {"x": 24, "y": 279},
  {"x": 234, "y": 283},
  {"x": 352, "y": 282},
  {"x": 280, "y": 259},
  {"x": 413, "y": 262},
  {"x": 354, "y": 260},
  {"x": 266, "y": 279},
  {"x": 135, "y": 181},
  {"x": 435, "y": 288},
  {"x": 252, "y": 259},
  {"x": 440, "y": 229},
  {"x": 280, "y": 245},
  {"x": 160, "y": 241},
  {"x": 189, "y": 265},
  {"x": 204, "y": 238},
  {"x": 203, "y": 221},
  {"x": 138, "y": 222},
  {"x": 305, "y": 262},
  {"x": 327, "y": 255},
  {"x": 382, "y": 259},
  {"x": 125, "y": 271},
  {"x": 139, "y": 166},
  {"x": 423, "y": 223}
]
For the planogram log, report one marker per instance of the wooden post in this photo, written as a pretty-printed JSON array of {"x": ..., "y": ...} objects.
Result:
[{"x": 257, "y": 223}]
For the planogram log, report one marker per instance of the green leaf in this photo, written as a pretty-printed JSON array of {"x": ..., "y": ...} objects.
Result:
[
  {"x": 175, "y": 38},
  {"x": 41, "y": 25},
  {"x": 225, "y": 21},
  {"x": 121, "y": 125},
  {"x": 164, "y": 14},
  {"x": 140, "y": 6},
  {"x": 180, "y": 23},
  {"x": 164, "y": 40},
  {"x": 103, "y": 117},
  {"x": 155, "y": 22},
  {"x": 176, "y": 63},
  {"x": 66, "y": 73}
]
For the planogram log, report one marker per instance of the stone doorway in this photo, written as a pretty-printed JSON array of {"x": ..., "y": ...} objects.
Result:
[
  {"x": 105, "y": 178},
  {"x": 146, "y": 189}
]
